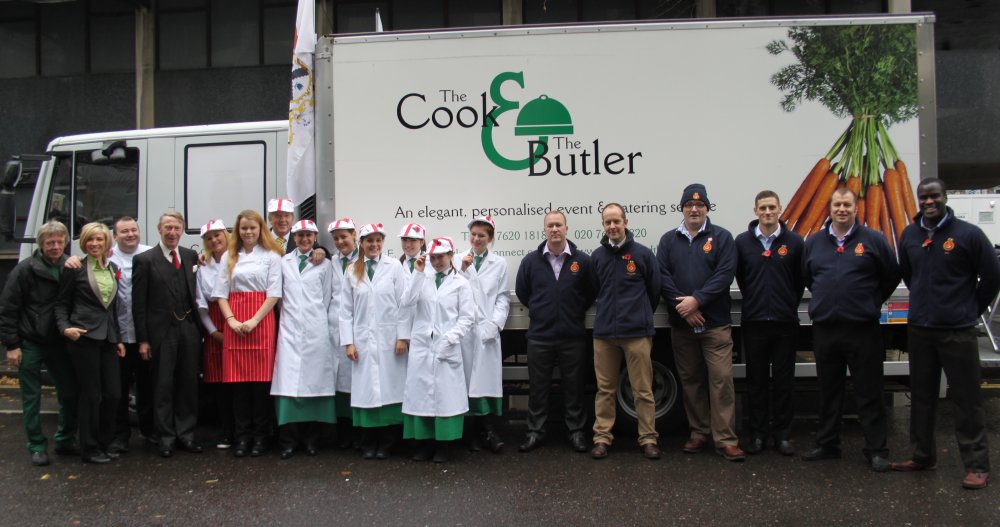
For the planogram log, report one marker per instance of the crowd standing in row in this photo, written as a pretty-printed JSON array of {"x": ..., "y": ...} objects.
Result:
[{"x": 392, "y": 349}]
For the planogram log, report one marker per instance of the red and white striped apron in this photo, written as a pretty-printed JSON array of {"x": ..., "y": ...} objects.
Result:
[
  {"x": 212, "y": 349},
  {"x": 249, "y": 358}
]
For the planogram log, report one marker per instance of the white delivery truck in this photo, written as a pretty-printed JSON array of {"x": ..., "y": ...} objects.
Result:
[{"x": 438, "y": 127}]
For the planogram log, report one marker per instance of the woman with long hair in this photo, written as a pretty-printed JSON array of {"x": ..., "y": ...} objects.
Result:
[
  {"x": 216, "y": 240},
  {"x": 375, "y": 331},
  {"x": 247, "y": 293}
]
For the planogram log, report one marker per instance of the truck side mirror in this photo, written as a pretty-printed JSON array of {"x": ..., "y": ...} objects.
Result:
[{"x": 8, "y": 216}]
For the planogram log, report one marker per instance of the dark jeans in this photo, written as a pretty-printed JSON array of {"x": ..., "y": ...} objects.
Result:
[
  {"x": 956, "y": 351},
  {"x": 252, "y": 409},
  {"x": 96, "y": 364},
  {"x": 543, "y": 356},
  {"x": 857, "y": 345},
  {"x": 770, "y": 354},
  {"x": 132, "y": 366},
  {"x": 175, "y": 386}
]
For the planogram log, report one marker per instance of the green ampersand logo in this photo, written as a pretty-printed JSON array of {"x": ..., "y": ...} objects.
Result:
[{"x": 504, "y": 106}]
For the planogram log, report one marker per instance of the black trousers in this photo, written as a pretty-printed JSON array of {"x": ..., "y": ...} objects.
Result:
[
  {"x": 252, "y": 409},
  {"x": 96, "y": 364},
  {"x": 956, "y": 351},
  {"x": 543, "y": 356},
  {"x": 769, "y": 349},
  {"x": 131, "y": 366},
  {"x": 293, "y": 435},
  {"x": 857, "y": 345},
  {"x": 175, "y": 382}
]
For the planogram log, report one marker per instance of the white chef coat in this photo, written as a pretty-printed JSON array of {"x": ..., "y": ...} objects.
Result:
[
  {"x": 126, "y": 325},
  {"x": 258, "y": 270},
  {"x": 483, "y": 358}
]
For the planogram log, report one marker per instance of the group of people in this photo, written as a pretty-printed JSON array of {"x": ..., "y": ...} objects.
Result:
[{"x": 391, "y": 349}]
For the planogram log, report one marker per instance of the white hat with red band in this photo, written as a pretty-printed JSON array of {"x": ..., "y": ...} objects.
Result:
[
  {"x": 280, "y": 205},
  {"x": 442, "y": 245},
  {"x": 371, "y": 228},
  {"x": 483, "y": 219},
  {"x": 342, "y": 223},
  {"x": 304, "y": 225},
  {"x": 212, "y": 225},
  {"x": 414, "y": 231}
]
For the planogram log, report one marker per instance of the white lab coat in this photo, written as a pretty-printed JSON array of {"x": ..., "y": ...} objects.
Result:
[
  {"x": 304, "y": 365},
  {"x": 483, "y": 358},
  {"x": 342, "y": 365},
  {"x": 372, "y": 319},
  {"x": 443, "y": 316}
]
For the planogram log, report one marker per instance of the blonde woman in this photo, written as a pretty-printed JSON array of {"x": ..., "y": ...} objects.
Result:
[
  {"x": 216, "y": 240},
  {"x": 247, "y": 293},
  {"x": 86, "y": 314}
]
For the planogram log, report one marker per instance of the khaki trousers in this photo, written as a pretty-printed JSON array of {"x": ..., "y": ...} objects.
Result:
[
  {"x": 608, "y": 354},
  {"x": 705, "y": 365}
]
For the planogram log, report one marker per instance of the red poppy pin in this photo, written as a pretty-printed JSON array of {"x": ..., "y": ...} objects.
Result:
[
  {"x": 840, "y": 249},
  {"x": 627, "y": 256},
  {"x": 767, "y": 253},
  {"x": 118, "y": 275},
  {"x": 630, "y": 267},
  {"x": 927, "y": 243},
  {"x": 948, "y": 245},
  {"x": 574, "y": 267},
  {"x": 708, "y": 246},
  {"x": 783, "y": 251},
  {"x": 859, "y": 249}
]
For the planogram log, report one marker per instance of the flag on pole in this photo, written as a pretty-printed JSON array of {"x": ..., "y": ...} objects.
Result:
[
  {"x": 300, "y": 177},
  {"x": 378, "y": 21}
]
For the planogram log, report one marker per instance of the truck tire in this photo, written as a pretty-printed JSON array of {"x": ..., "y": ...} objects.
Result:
[{"x": 669, "y": 410}]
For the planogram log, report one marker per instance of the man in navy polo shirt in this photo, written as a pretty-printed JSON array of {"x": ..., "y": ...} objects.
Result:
[
  {"x": 769, "y": 274},
  {"x": 953, "y": 275},
  {"x": 554, "y": 284},
  {"x": 850, "y": 271}
]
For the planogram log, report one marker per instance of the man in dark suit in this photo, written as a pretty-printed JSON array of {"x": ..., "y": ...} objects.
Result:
[{"x": 166, "y": 327}]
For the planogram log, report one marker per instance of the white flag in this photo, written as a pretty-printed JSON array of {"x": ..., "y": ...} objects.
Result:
[
  {"x": 300, "y": 177},
  {"x": 378, "y": 21}
]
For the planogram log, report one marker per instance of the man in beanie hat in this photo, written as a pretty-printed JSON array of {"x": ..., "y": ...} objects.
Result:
[{"x": 697, "y": 266}]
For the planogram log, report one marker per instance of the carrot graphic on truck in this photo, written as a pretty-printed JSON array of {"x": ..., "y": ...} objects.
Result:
[{"x": 868, "y": 73}]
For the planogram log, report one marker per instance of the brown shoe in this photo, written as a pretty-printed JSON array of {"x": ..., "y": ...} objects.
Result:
[
  {"x": 731, "y": 453},
  {"x": 976, "y": 480},
  {"x": 651, "y": 451},
  {"x": 600, "y": 450},
  {"x": 694, "y": 445},
  {"x": 911, "y": 466}
]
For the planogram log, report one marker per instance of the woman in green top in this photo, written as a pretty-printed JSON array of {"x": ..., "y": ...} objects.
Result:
[{"x": 86, "y": 315}]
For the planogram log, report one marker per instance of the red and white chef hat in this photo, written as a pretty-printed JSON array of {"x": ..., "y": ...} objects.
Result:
[
  {"x": 281, "y": 205},
  {"x": 304, "y": 225},
  {"x": 413, "y": 231},
  {"x": 483, "y": 219},
  {"x": 371, "y": 228},
  {"x": 212, "y": 225},
  {"x": 442, "y": 245},
  {"x": 342, "y": 223}
]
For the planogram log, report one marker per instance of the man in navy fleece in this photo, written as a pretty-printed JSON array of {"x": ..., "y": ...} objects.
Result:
[
  {"x": 697, "y": 262},
  {"x": 953, "y": 275},
  {"x": 850, "y": 271}
]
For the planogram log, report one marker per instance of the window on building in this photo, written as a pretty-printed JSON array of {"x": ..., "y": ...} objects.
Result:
[
  {"x": 278, "y": 31},
  {"x": 112, "y": 36},
  {"x": 417, "y": 14},
  {"x": 359, "y": 16},
  {"x": 235, "y": 33},
  {"x": 182, "y": 34},
  {"x": 17, "y": 48},
  {"x": 472, "y": 13},
  {"x": 63, "y": 38}
]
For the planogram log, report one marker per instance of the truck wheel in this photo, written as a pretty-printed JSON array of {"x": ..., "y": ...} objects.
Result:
[{"x": 666, "y": 395}]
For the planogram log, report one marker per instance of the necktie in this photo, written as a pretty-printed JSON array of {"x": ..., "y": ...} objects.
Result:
[
  {"x": 479, "y": 261},
  {"x": 281, "y": 242},
  {"x": 343, "y": 263},
  {"x": 371, "y": 268},
  {"x": 302, "y": 261},
  {"x": 411, "y": 264},
  {"x": 177, "y": 261},
  {"x": 438, "y": 278}
]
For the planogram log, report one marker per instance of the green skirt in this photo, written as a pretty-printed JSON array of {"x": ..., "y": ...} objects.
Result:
[
  {"x": 305, "y": 409},
  {"x": 437, "y": 428},
  {"x": 343, "y": 400},
  {"x": 388, "y": 415},
  {"x": 485, "y": 406}
]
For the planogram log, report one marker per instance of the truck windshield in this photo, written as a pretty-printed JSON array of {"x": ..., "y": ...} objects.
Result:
[{"x": 100, "y": 191}]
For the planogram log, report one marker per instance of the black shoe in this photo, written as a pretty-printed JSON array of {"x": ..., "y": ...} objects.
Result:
[
  {"x": 287, "y": 453},
  {"x": 166, "y": 451},
  {"x": 190, "y": 446},
  {"x": 440, "y": 455},
  {"x": 755, "y": 446},
  {"x": 880, "y": 464},
  {"x": 368, "y": 451},
  {"x": 493, "y": 441},
  {"x": 152, "y": 440},
  {"x": 384, "y": 451},
  {"x": 532, "y": 442},
  {"x": 118, "y": 446},
  {"x": 112, "y": 455},
  {"x": 71, "y": 450},
  {"x": 785, "y": 447},
  {"x": 224, "y": 442},
  {"x": 258, "y": 449},
  {"x": 311, "y": 450},
  {"x": 39, "y": 459},
  {"x": 820, "y": 453},
  {"x": 98, "y": 458},
  {"x": 242, "y": 449},
  {"x": 425, "y": 450},
  {"x": 475, "y": 444},
  {"x": 579, "y": 442}
]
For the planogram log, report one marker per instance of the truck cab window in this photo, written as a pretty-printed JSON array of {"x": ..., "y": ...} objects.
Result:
[{"x": 88, "y": 187}]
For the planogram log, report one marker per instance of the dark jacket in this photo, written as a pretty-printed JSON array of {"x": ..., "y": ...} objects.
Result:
[
  {"x": 28, "y": 301},
  {"x": 159, "y": 295},
  {"x": 556, "y": 307},
  {"x": 702, "y": 268},
  {"x": 848, "y": 285},
  {"x": 79, "y": 304},
  {"x": 770, "y": 281},
  {"x": 627, "y": 284},
  {"x": 953, "y": 278}
]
